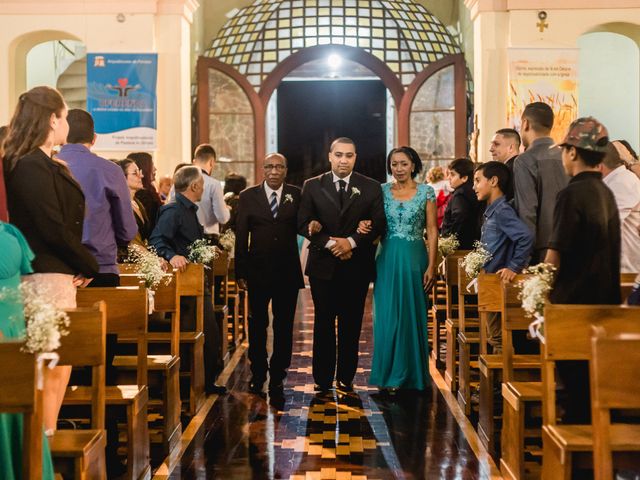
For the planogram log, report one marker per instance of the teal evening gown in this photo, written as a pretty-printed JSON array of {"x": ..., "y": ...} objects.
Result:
[
  {"x": 15, "y": 261},
  {"x": 400, "y": 349}
]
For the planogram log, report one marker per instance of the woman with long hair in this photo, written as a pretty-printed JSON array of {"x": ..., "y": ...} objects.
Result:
[
  {"x": 48, "y": 207},
  {"x": 148, "y": 195},
  {"x": 135, "y": 177}
]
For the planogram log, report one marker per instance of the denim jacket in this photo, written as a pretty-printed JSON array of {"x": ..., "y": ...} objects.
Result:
[{"x": 506, "y": 237}]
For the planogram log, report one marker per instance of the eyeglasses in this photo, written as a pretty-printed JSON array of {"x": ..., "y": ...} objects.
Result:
[{"x": 279, "y": 167}]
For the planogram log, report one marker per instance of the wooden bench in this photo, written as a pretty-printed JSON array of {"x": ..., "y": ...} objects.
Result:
[
  {"x": 126, "y": 317},
  {"x": 219, "y": 274},
  {"x": 189, "y": 283},
  {"x": 620, "y": 391},
  {"x": 468, "y": 341},
  {"x": 567, "y": 336},
  {"x": 81, "y": 453},
  {"x": 18, "y": 377},
  {"x": 437, "y": 314},
  {"x": 521, "y": 436},
  {"x": 163, "y": 372},
  {"x": 234, "y": 302},
  {"x": 451, "y": 322}
]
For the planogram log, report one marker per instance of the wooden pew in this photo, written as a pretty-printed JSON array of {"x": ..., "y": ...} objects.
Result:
[
  {"x": 451, "y": 322},
  {"x": 189, "y": 283},
  {"x": 468, "y": 341},
  {"x": 18, "y": 377},
  {"x": 83, "y": 451},
  {"x": 164, "y": 370},
  {"x": 619, "y": 354},
  {"x": 233, "y": 301},
  {"x": 220, "y": 271},
  {"x": 521, "y": 436},
  {"x": 567, "y": 336},
  {"x": 126, "y": 317},
  {"x": 437, "y": 313}
]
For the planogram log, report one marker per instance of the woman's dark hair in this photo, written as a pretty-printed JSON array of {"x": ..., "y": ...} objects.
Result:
[
  {"x": 29, "y": 126},
  {"x": 496, "y": 169},
  {"x": 144, "y": 161},
  {"x": 463, "y": 167},
  {"x": 124, "y": 164},
  {"x": 411, "y": 154},
  {"x": 234, "y": 182}
]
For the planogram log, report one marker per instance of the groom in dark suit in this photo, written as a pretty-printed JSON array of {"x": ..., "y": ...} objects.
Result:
[
  {"x": 267, "y": 262},
  {"x": 341, "y": 264}
]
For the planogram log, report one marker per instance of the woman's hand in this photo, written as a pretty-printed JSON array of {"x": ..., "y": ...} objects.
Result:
[
  {"x": 314, "y": 227},
  {"x": 364, "y": 227},
  {"x": 81, "y": 281},
  {"x": 429, "y": 278}
]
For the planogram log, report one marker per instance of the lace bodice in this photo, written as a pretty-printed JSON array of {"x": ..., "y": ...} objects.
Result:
[{"x": 406, "y": 219}]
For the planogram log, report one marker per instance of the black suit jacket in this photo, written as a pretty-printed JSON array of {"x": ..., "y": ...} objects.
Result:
[
  {"x": 320, "y": 202},
  {"x": 267, "y": 247},
  {"x": 48, "y": 206}
]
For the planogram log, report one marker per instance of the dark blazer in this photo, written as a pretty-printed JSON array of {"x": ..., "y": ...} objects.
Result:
[
  {"x": 267, "y": 247},
  {"x": 48, "y": 207},
  {"x": 320, "y": 202},
  {"x": 462, "y": 217}
]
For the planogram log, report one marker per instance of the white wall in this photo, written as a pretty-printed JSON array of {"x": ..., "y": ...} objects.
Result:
[
  {"x": 609, "y": 83},
  {"x": 47, "y": 61}
]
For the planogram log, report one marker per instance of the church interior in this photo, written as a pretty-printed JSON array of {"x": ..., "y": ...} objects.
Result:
[{"x": 273, "y": 88}]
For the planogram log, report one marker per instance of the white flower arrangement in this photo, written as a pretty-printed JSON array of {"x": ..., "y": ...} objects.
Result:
[
  {"x": 535, "y": 289},
  {"x": 45, "y": 323},
  {"x": 448, "y": 245},
  {"x": 475, "y": 260},
  {"x": 201, "y": 251},
  {"x": 228, "y": 242},
  {"x": 148, "y": 266},
  {"x": 288, "y": 198},
  {"x": 354, "y": 191}
]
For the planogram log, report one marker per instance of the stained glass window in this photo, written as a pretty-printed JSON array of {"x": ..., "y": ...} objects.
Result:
[{"x": 401, "y": 33}]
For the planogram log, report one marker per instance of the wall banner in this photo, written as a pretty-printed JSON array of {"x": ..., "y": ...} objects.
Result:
[
  {"x": 121, "y": 97},
  {"x": 544, "y": 75}
]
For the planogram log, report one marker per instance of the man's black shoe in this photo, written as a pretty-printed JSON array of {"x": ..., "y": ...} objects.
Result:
[
  {"x": 322, "y": 388},
  {"x": 345, "y": 387},
  {"x": 217, "y": 389},
  {"x": 256, "y": 387}
]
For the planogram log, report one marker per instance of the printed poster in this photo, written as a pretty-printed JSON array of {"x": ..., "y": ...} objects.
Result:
[
  {"x": 544, "y": 75},
  {"x": 121, "y": 97}
]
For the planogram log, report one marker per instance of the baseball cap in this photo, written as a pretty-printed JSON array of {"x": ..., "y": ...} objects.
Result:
[{"x": 586, "y": 133}]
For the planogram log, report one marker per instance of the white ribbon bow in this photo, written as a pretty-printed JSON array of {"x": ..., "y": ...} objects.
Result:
[
  {"x": 536, "y": 326},
  {"x": 53, "y": 358},
  {"x": 473, "y": 285},
  {"x": 151, "y": 300}
]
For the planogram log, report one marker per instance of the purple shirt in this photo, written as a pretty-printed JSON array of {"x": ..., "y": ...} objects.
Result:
[{"x": 109, "y": 220}]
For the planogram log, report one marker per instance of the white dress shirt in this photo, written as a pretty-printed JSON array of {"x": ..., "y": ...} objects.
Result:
[
  {"x": 269, "y": 191},
  {"x": 337, "y": 179},
  {"x": 625, "y": 186}
]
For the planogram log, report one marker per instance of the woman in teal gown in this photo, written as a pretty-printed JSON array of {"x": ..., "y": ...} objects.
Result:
[
  {"x": 15, "y": 261},
  {"x": 405, "y": 271}
]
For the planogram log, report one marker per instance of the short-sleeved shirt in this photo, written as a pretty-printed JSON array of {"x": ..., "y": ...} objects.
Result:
[{"x": 586, "y": 232}]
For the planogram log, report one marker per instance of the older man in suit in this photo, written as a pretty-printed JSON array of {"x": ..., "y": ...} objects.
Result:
[
  {"x": 341, "y": 264},
  {"x": 268, "y": 264}
]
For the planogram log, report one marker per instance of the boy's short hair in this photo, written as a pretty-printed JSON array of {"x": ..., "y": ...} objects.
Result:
[
  {"x": 203, "y": 152},
  {"x": 511, "y": 134},
  {"x": 590, "y": 158},
  {"x": 81, "y": 127},
  {"x": 540, "y": 116},
  {"x": 463, "y": 167},
  {"x": 498, "y": 170}
]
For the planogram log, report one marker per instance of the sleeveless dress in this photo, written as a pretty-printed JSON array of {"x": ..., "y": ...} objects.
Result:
[
  {"x": 15, "y": 261},
  {"x": 400, "y": 349}
]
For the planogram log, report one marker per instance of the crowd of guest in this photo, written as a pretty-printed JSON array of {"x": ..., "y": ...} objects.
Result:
[{"x": 73, "y": 215}]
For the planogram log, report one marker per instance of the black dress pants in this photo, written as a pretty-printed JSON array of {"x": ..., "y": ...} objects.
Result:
[
  {"x": 342, "y": 297},
  {"x": 283, "y": 306}
]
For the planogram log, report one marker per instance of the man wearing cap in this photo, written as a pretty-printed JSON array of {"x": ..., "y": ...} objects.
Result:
[
  {"x": 585, "y": 248},
  {"x": 538, "y": 175}
]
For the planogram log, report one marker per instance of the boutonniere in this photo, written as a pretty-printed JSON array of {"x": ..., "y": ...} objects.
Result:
[
  {"x": 354, "y": 191},
  {"x": 288, "y": 198}
]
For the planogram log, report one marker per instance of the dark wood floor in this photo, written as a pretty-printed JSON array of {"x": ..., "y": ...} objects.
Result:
[{"x": 413, "y": 435}]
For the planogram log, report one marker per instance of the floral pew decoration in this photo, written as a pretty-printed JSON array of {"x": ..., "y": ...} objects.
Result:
[
  {"x": 473, "y": 263},
  {"x": 151, "y": 268},
  {"x": 534, "y": 291}
]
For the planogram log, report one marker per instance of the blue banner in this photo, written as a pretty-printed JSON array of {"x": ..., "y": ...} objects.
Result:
[{"x": 121, "y": 97}]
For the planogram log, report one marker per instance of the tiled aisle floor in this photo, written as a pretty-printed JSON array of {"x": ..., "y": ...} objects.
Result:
[{"x": 304, "y": 436}]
